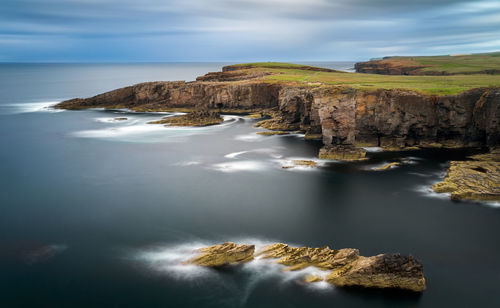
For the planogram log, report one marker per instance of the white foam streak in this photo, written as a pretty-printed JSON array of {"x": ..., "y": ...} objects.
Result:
[
  {"x": 428, "y": 192},
  {"x": 373, "y": 149},
  {"x": 29, "y": 107},
  {"x": 169, "y": 260},
  {"x": 245, "y": 165},
  {"x": 140, "y": 131},
  {"x": 249, "y": 137},
  {"x": 234, "y": 154}
]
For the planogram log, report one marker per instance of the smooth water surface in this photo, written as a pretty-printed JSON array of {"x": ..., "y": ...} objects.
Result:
[{"x": 99, "y": 212}]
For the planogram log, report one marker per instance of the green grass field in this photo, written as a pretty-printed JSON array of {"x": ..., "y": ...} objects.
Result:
[
  {"x": 460, "y": 63},
  {"x": 436, "y": 85}
]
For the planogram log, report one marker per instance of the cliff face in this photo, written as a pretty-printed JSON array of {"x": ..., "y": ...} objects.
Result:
[
  {"x": 345, "y": 117},
  {"x": 386, "y": 67},
  {"x": 395, "y": 118},
  {"x": 180, "y": 94}
]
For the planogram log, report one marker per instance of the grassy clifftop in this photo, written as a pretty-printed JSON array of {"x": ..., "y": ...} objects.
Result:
[
  {"x": 457, "y": 64},
  {"x": 296, "y": 74},
  {"x": 485, "y": 63}
]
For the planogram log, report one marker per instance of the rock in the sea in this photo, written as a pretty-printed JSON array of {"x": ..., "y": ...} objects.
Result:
[
  {"x": 387, "y": 166},
  {"x": 344, "y": 267},
  {"x": 301, "y": 257},
  {"x": 345, "y": 153},
  {"x": 382, "y": 271},
  {"x": 302, "y": 163},
  {"x": 202, "y": 116},
  {"x": 223, "y": 254},
  {"x": 476, "y": 179}
]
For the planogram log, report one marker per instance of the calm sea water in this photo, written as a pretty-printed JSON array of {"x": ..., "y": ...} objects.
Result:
[{"x": 96, "y": 212}]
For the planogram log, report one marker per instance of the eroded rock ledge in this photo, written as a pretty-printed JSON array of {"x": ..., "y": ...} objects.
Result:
[
  {"x": 474, "y": 179},
  {"x": 343, "y": 267}
]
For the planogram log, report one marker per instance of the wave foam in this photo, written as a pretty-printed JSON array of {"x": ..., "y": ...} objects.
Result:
[
  {"x": 245, "y": 165},
  {"x": 140, "y": 131},
  {"x": 29, "y": 107},
  {"x": 252, "y": 137},
  {"x": 168, "y": 260},
  {"x": 373, "y": 149}
]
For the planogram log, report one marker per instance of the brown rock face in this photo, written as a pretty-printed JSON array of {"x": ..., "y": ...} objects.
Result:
[
  {"x": 223, "y": 254},
  {"x": 345, "y": 266},
  {"x": 476, "y": 179},
  {"x": 158, "y": 96},
  {"x": 382, "y": 271},
  {"x": 302, "y": 257}
]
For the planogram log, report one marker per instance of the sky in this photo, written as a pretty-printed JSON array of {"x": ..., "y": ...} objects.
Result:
[{"x": 243, "y": 30}]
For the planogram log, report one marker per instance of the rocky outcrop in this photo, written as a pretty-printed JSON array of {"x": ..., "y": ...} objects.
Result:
[
  {"x": 343, "y": 267},
  {"x": 346, "y": 118},
  {"x": 202, "y": 116},
  {"x": 475, "y": 179},
  {"x": 381, "y": 271},
  {"x": 223, "y": 254}
]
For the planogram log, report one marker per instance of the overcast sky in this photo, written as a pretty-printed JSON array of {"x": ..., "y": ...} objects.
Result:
[{"x": 243, "y": 30}]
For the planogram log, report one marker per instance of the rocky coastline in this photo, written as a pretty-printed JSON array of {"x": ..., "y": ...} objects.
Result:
[
  {"x": 346, "y": 119},
  {"x": 341, "y": 267}
]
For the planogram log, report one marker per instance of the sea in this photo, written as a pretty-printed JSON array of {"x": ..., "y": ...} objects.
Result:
[{"x": 98, "y": 211}]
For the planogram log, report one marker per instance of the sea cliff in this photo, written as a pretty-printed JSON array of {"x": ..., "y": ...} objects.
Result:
[{"x": 345, "y": 117}]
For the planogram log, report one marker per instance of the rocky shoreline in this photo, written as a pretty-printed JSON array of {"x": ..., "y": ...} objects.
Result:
[
  {"x": 344, "y": 118},
  {"x": 342, "y": 268}
]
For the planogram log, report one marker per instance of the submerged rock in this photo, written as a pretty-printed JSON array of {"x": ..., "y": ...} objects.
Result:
[
  {"x": 223, "y": 254},
  {"x": 345, "y": 266},
  {"x": 387, "y": 166},
  {"x": 476, "y": 179}
]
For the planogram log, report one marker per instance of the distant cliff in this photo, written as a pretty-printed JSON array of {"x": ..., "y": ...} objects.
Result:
[{"x": 485, "y": 63}]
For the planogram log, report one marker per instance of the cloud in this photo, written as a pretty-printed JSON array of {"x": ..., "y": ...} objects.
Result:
[{"x": 242, "y": 30}]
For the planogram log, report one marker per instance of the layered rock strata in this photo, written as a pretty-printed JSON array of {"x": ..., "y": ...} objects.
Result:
[
  {"x": 223, "y": 254},
  {"x": 474, "y": 179},
  {"x": 343, "y": 267}
]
